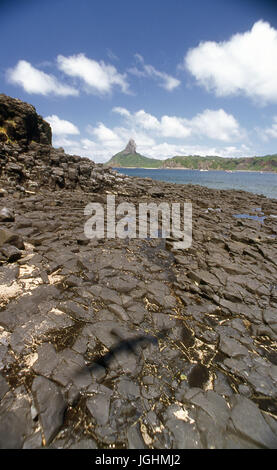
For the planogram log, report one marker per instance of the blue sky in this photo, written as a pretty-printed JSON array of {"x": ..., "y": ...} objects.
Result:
[{"x": 179, "y": 76}]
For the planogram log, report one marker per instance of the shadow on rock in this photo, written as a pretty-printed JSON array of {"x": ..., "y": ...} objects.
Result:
[{"x": 128, "y": 345}]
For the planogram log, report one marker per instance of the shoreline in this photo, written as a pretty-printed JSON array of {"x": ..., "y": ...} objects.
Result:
[
  {"x": 212, "y": 180},
  {"x": 192, "y": 169}
]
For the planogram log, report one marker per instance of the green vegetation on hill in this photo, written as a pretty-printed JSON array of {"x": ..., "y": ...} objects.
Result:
[
  {"x": 135, "y": 160},
  {"x": 267, "y": 163}
]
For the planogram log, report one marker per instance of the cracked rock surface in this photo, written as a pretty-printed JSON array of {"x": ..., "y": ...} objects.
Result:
[{"x": 74, "y": 371}]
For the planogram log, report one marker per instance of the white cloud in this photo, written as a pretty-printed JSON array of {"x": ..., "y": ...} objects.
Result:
[
  {"x": 98, "y": 152},
  {"x": 69, "y": 145},
  {"x": 267, "y": 133},
  {"x": 214, "y": 124},
  {"x": 167, "y": 126},
  {"x": 166, "y": 150},
  {"x": 151, "y": 133},
  {"x": 106, "y": 135},
  {"x": 172, "y": 126},
  {"x": 142, "y": 139},
  {"x": 36, "y": 81},
  {"x": 99, "y": 77},
  {"x": 146, "y": 120},
  {"x": 167, "y": 82},
  {"x": 60, "y": 126},
  {"x": 272, "y": 131},
  {"x": 121, "y": 111},
  {"x": 246, "y": 64}
]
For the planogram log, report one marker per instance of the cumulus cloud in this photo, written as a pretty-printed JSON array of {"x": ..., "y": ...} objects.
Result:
[
  {"x": 214, "y": 124},
  {"x": 165, "y": 150},
  {"x": 272, "y": 131},
  {"x": 151, "y": 135},
  {"x": 146, "y": 120},
  {"x": 38, "y": 82},
  {"x": 106, "y": 135},
  {"x": 245, "y": 64},
  {"x": 61, "y": 126},
  {"x": 173, "y": 126},
  {"x": 99, "y": 78},
  {"x": 268, "y": 133},
  {"x": 118, "y": 137},
  {"x": 122, "y": 111},
  {"x": 160, "y": 137},
  {"x": 166, "y": 81},
  {"x": 73, "y": 147}
]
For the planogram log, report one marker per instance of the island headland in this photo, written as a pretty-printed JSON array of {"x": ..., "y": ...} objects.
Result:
[{"x": 130, "y": 158}]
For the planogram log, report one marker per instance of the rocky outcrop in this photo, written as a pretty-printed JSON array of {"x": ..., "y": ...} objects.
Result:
[
  {"x": 42, "y": 166},
  {"x": 28, "y": 160},
  {"x": 19, "y": 122},
  {"x": 130, "y": 147}
]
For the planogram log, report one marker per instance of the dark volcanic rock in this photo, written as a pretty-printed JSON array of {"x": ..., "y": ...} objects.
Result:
[
  {"x": 130, "y": 147},
  {"x": 11, "y": 253},
  {"x": 10, "y": 238},
  {"x": 51, "y": 406},
  {"x": 6, "y": 215},
  {"x": 99, "y": 407},
  {"x": 15, "y": 419},
  {"x": 3, "y": 387},
  {"x": 22, "y": 123},
  {"x": 249, "y": 421},
  {"x": 29, "y": 161}
]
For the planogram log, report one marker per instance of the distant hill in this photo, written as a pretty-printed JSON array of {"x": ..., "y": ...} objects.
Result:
[
  {"x": 133, "y": 160},
  {"x": 267, "y": 163},
  {"x": 129, "y": 158}
]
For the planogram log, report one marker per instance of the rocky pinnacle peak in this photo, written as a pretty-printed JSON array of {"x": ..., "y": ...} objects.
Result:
[{"x": 130, "y": 147}]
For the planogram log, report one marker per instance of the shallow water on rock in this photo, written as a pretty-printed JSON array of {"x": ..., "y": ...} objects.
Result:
[{"x": 253, "y": 217}]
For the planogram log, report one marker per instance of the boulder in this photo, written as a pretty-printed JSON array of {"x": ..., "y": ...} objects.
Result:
[
  {"x": 11, "y": 253},
  {"x": 11, "y": 238},
  {"x": 6, "y": 215}
]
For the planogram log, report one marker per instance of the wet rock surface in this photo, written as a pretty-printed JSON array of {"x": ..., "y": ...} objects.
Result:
[{"x": 128, "y": 343}]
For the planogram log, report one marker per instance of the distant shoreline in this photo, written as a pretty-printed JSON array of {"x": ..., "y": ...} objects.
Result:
[{"x": 192, "y": 169}]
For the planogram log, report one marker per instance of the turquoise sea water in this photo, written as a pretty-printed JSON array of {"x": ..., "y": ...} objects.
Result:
[{"x": 254, "y": 182}]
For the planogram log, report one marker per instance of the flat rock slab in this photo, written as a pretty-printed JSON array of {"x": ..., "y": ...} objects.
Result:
[
  {"x": 249, "y": 421},
  {"x": 25, "y": 335},
  {"x": 50, "y": 405},
  {"x": 16, "y": 423},
  {"x": 99, "y": 407}
]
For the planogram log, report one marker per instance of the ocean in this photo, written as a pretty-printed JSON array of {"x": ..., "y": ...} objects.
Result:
[{"x": 254, "y": 182}]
